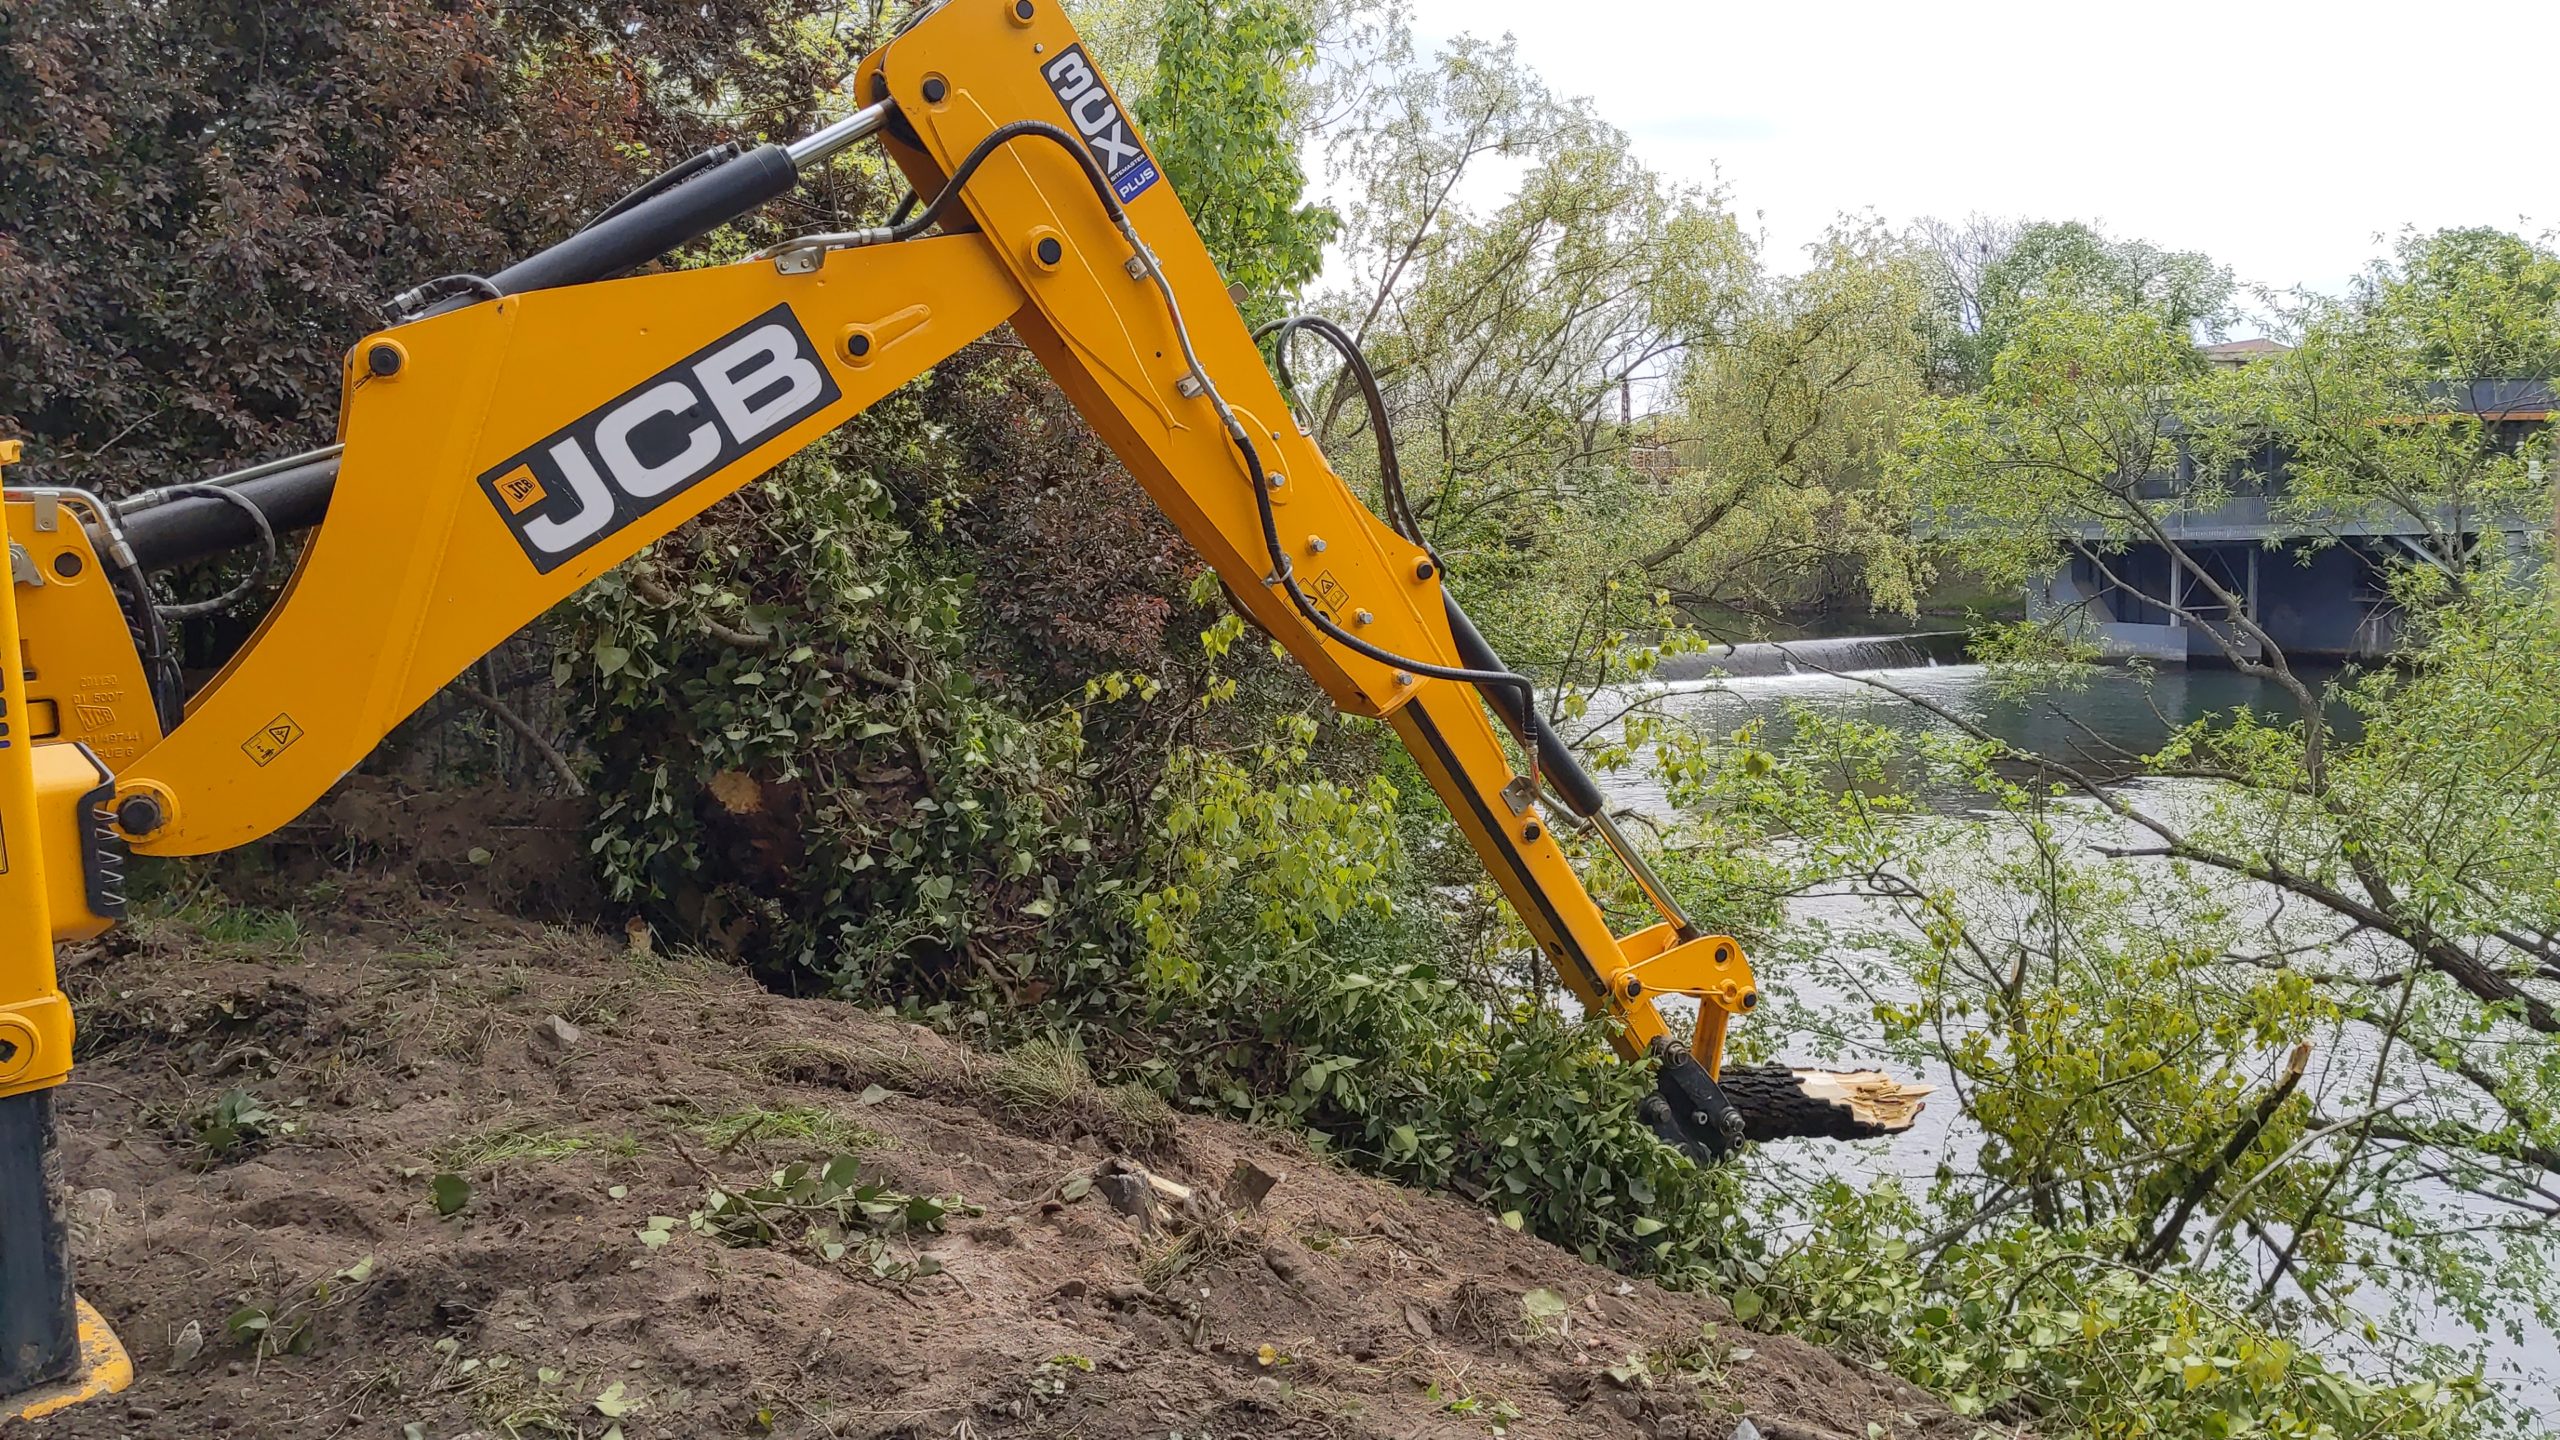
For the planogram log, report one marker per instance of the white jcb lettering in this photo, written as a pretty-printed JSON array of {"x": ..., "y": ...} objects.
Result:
[
  {"x": 595, "y": 504},
  {"x": 759, "y": 382},
  {"x": 613, "y": 442}
]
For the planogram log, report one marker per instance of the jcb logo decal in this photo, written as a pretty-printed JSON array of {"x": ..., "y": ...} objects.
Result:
[
  {"x": 686, "y": 423},
  {"x": 1098, "y": 118}
]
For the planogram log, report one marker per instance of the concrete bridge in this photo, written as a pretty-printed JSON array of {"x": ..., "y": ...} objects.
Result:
[{"x": 2318, "y": 585}]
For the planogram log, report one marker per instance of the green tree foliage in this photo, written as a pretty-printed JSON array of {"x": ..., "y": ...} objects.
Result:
[
  {"x": 2389, "y": 406},
  {"x": 2118, "y": 977},
  {"x": 1782, "y": 490},
  {"x": 1222, "y": 117},
  {"x": 1986, "y": 275}
]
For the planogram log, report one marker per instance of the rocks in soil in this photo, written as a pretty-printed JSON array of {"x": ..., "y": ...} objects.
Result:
[
  {"x": 1248, "y": 1185},
  {"x": 558, "y": 1036}
]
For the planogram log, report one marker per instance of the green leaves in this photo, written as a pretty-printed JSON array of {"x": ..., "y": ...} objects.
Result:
[
  {"x": 1223, "y": 118},
  {"x": 235, "y": 1123},
  {"x": 826, "y": 1206},
  {"x": 449, "y": 1193}
]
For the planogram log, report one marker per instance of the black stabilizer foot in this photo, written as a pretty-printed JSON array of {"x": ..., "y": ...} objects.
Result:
[{"x": 39, "y": 1331}]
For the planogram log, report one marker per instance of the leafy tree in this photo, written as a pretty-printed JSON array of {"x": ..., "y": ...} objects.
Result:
[
  {"x": 2393, "y": 403},
  {"x": 1988, "y": 275},
  {"x": 1783, "y": 435},
  {"x": 2119, "y": 976},
  {"x": 1223, "y": 118}
]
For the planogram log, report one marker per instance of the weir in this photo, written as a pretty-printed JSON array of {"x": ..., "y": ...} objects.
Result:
[{"x": 1842, "y": 654}]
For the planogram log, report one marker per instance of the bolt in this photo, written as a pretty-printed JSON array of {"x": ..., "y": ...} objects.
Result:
[
  {"x": 1403, "y": 680},
  {"x": 1424, "y": 570},
  {"x": 1315, "y": 544},
  {"x": 934, "y": 89},
  {"x": 1362, "y": 617},
  {"x": 139, "y": 814},
  {"x": 67, "y": 564},
  {"x": 383, "y": 360}
]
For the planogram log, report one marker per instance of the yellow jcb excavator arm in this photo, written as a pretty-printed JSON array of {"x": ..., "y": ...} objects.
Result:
[{"x": 530, "y": 430}]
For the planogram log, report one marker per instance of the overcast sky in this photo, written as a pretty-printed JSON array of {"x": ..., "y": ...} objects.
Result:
[{"x": 2280, "y": 138}]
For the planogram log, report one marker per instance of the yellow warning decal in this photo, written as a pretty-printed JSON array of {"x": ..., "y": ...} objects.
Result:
[{"x": 273, "y": 739}]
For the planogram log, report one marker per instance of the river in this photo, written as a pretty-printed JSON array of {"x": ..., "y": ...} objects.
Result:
[{"x": 2095, "y": 725}]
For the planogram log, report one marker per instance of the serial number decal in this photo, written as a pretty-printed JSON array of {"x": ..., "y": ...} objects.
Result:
[
  {"x": 606, "y": 469},
  {"x": 1099, "y": 119}
]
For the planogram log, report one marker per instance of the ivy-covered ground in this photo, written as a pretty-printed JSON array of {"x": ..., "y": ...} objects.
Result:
[{"x": 408, "y": 1167}]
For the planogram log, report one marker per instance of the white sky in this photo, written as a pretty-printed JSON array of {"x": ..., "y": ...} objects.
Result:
[{"x": 2280, "y": 138}]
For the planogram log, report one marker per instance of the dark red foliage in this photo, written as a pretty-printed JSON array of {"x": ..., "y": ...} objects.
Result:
[
  {"x": 203, "y": 202},
  {"x": 1084, "y": 572}
]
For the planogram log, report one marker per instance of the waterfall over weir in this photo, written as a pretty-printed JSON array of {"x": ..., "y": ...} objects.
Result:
[{"x": 1813, "y": 657}]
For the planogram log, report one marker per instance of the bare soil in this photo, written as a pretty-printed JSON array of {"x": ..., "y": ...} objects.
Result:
[{"x": 582, "y": 1082}]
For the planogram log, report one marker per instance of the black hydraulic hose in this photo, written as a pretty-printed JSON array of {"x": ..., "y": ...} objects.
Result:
[
  {"x": 1489, "y": 679},
  {"x": 1283, "y": 574},
  {"x": 1390, "y": 468},
  {"x": 994, "y": 140},
  {"x": 1555, "y": 759}
]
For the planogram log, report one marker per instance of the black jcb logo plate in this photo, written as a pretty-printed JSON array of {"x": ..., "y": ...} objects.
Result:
[{"x": 606, "y": 469}]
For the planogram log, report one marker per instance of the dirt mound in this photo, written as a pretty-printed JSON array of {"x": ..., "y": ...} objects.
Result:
[{"x": 268, "y": 1122}]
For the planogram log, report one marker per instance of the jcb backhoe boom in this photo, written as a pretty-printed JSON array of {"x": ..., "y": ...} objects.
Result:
[{"x": 529, "y": 430}]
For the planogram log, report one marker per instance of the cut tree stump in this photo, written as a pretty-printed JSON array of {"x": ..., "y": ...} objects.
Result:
[{"x": 1781, "y": 1102}]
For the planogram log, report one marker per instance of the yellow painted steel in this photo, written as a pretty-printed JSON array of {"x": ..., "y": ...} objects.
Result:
[
  {"x": 68, "y": 779},
  {"x": 414, "y": 575},
  {"x": 105, "y": 1369},
  {"x": 35, "y": 1021},
  {"x": 85, "y": 681}
]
